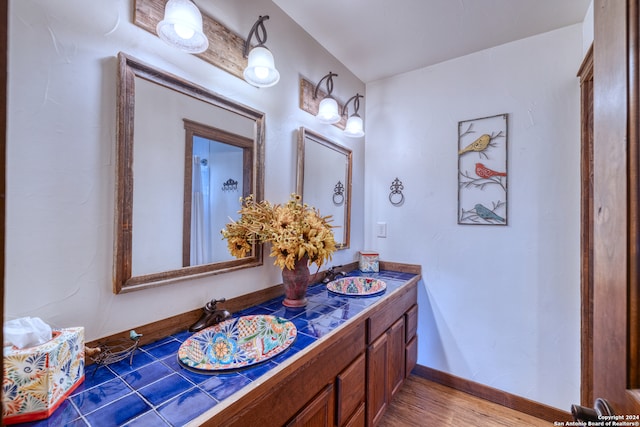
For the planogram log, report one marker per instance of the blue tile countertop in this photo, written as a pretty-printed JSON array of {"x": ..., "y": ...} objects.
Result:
[{"x": 157, "y": 391}]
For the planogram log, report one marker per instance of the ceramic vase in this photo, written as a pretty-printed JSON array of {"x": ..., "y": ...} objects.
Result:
[{"x": 295, "y": 283}]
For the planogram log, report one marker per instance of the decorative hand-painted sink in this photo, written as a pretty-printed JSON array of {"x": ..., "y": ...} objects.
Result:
[
  {"x": 237, "y": 343},
  {"x": 357, "y": 286}
]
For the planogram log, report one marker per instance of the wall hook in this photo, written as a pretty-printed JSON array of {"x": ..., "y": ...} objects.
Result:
[{"x": 229, "y": 185}]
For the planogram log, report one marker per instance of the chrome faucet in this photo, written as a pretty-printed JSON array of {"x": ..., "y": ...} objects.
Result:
[
  {"x": 333, "y": 274},
  {"x": 211, "y": 315}
]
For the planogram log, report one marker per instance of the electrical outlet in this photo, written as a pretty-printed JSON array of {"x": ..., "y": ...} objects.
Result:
[{"x": 381, "y": 229}]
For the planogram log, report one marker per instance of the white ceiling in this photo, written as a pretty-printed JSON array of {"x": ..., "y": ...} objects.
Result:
[{"x": 380, "y": 38}]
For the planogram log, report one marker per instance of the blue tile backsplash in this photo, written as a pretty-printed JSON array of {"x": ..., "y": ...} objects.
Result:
[{"x": 155, "y": 390}]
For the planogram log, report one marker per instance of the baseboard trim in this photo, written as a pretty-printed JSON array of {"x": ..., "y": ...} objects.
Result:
[{"x": 521, "y": 404}]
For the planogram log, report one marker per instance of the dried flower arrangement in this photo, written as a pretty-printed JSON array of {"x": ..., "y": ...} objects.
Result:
[{"x": 293, "y": 229}]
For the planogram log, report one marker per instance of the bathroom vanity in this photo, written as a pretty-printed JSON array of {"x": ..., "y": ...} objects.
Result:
[
  {"x": 346, "y": 378},
  {"x": 349, "y": 357}
]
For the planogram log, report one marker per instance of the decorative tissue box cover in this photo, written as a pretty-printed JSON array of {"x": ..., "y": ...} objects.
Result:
[
  {"x": 369, "y": 262},
  {"x": 38, "y": 379}
]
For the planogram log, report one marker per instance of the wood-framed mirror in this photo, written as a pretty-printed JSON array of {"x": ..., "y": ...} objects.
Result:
[
  {"x": 324, "y": 180},
  {"x": 169, "y": 213}
]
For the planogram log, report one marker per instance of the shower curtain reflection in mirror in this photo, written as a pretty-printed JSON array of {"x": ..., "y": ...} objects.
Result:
[
  {"x": 212, "y": 204},
  {"x": 200, "y": 248}
]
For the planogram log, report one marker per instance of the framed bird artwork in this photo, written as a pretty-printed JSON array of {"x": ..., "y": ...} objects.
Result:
[{"x": 482, "y": 171}]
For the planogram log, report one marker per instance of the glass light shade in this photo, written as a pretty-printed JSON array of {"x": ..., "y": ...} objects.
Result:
[
  {"x": 261, "y": 70},
  {"x": 354, "y": 127},
  {"x": 182, "y": 26},
  {"x": 328, "y": 111}
]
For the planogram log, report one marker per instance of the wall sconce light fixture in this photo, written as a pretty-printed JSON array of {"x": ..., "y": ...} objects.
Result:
[
  {"x": 328, "y": 109},
  {"x": 354, "y": 127},
  {"x": 261, "y": 70},
  {"x": 182, "y": 26}
]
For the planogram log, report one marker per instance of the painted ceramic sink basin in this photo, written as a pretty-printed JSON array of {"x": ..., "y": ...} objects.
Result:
[
  {"x": 237, "y": 343},
  {"x": 357, "y": 286}
]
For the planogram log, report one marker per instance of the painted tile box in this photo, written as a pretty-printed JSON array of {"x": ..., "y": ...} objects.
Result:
[
  {"x": 38, "y": 379},
  {"x": 369, "y": 262}
]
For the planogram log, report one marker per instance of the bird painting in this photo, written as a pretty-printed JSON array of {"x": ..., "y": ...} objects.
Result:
[
  {"x": 478, "y": 145},
  {"x": 484, "y": 172},
  {"x": 487, "y": 214}
]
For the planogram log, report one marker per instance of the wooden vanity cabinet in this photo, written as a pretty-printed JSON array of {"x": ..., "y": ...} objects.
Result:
[
  {"x": 391, "y": 351},
  {"x": 346, "y": 380},
  {"x": 303, "y": 392}
]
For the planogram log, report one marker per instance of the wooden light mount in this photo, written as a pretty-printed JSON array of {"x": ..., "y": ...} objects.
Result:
[
  {"x": 310, "y": 104},
  {"x": 225, "y": 49}
]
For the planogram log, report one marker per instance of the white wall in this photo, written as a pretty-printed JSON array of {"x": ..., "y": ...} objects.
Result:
[
  {"x": 500, "y": 305},
  {"x": 61, "y": 153}
]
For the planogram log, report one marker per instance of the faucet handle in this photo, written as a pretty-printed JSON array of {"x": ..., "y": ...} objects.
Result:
[
  {"x": 331, "y": 274},
  {"x": 211, "y": 305}
]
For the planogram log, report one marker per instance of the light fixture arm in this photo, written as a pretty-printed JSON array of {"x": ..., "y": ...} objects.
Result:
[
  {"x": 356, "y": 104},
  {"x": 329, "y": 78},
  {"x": 259, "y": 31}
]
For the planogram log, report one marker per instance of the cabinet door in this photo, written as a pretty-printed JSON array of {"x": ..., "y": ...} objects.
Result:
[
  {"x": 377, "y": 361},
  {"x": 350, "y": 390},
  {"x": 317, "y": 413},
  {"x": 358, "y": 418},
  {"x": 411, "y": 322},
  {"x": 411, "y": 358},
  {"x": 396, "y": 357}
]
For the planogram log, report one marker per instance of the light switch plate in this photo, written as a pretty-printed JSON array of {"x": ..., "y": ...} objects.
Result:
[{"x": 381, "y": 229}]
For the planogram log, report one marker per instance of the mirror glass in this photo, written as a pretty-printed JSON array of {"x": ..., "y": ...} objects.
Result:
[
  {"x": 210, "y": 204},
  {"x": 324, "y": 180},
  {"x": 215, "y": 179},
  {"x": 185, "y": 157}
]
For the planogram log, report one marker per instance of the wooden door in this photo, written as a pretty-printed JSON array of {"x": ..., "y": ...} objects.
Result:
[
  {"x": 586, "y": 228},
  {"x": 615, "y": 206},
  {"x": 377, "y": 362},
  {"x": 411, "y": 340},
  {"x": 358, "y": 419},
  {"x": 350, "y": 390},
  {"x": 3, "y": 146},
  {"x": 317, "y": 413},
  {"x": 396, "y": 354}
]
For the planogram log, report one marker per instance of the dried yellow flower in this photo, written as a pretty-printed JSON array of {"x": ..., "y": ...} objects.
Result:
[{"x": 293, "y": 229}]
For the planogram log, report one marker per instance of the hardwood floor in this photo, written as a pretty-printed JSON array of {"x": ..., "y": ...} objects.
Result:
[{"x": 421, "y": 402}]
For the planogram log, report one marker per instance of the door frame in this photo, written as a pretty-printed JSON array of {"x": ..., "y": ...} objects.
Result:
[
  {"x": 585, "y": 73},
  {"x": 4, "y": 62},
  {"x": 615, "y": 211}
]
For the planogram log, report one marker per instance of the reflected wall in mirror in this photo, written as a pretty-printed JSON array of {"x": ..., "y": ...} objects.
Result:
[
  {"x": 324, "y": 180},
  {"x": 217, "y": 172},
  {"x": 163, "y": 232}
]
